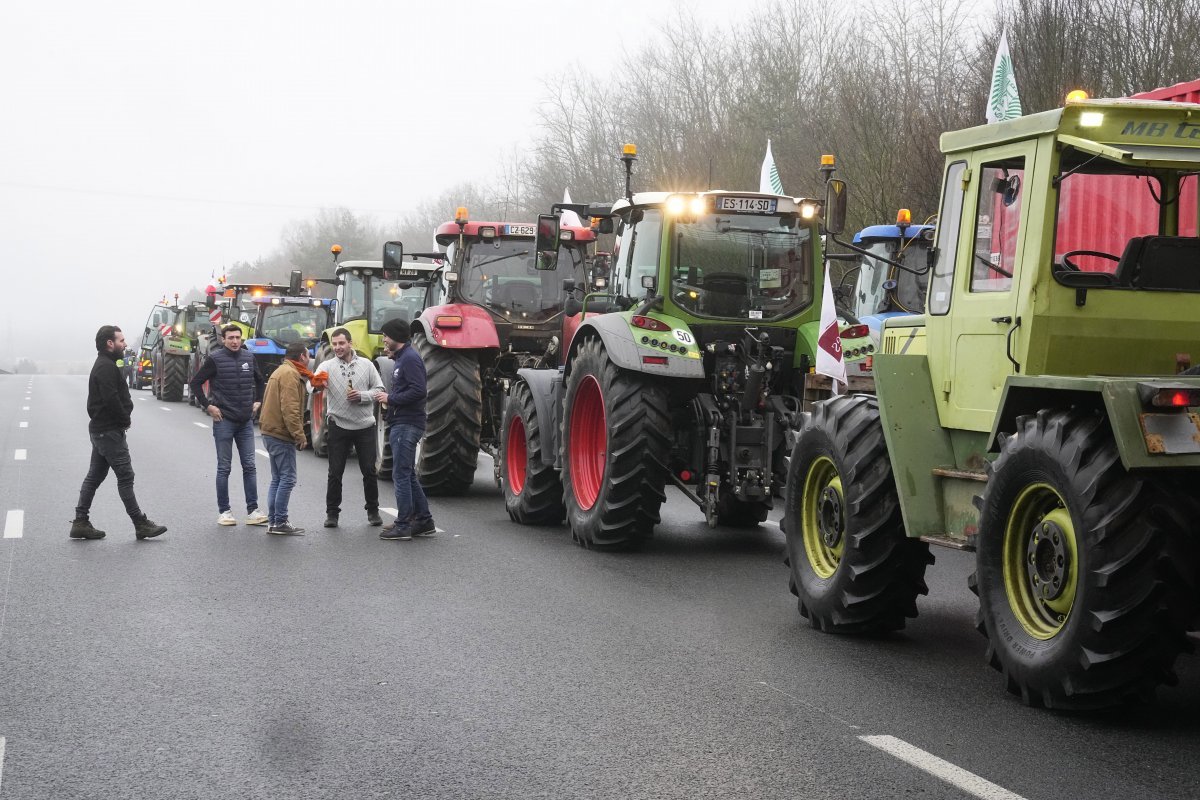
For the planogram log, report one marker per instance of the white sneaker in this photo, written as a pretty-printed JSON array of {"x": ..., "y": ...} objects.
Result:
[
  {"x": 256, "y": 518},
  {"x": 226, "y": 518}
]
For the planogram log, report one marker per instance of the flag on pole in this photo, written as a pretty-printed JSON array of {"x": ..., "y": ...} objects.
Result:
[
  {"x": 570, "y": 217},
  {"x": 768, "y": 179},
  {"x": 1003, "y": 101},
  {"x": 829, "y": 342}
]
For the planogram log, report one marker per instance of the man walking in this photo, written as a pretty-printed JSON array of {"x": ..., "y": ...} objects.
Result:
[
  {"x": 109, "y": 407},
  {"x": 282, "y": 424},
  {"x": 350, "y": 393},
  {"x": 236, "y": 390},
  {"x": 406, "y": 425}
]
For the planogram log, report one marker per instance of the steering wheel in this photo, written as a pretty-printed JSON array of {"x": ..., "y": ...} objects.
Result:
[{"x": 1071, "y": 266}]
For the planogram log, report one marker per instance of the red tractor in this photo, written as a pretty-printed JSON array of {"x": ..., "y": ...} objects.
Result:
[{"x": 501, "y": 314}]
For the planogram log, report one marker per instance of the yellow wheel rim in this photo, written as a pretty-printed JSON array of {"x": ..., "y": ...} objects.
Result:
[
  {"x": 1041, "y": 562},
  {"x": 823, "y": 517}
]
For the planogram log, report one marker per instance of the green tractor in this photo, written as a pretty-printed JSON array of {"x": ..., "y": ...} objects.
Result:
[
  {"x": 686, "y": 369},
  {"x": 172, "y": 350},
  {"x": 158, "y": 323},
  {"x": 368, "y": 295},
  {"x": 1035, "y": 414}
]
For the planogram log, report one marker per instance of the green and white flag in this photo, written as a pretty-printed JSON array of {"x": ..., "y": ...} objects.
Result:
[
  {"x": 1003, "y": 101},
  {"x": 768, "y": 180}
]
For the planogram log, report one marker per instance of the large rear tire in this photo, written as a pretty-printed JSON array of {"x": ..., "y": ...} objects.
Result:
[
  {"x": 852, "y": 566},
  {"x": 450, "y": 451},
  {"x": 174, "y": 378},
  {"x": 533, "y": 491},
  {"x": 616, "y": 443},
  {"x": 1086, "y": 584}
]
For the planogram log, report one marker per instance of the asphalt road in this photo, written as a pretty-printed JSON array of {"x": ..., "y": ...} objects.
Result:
[{"x": 492, "y": 661}]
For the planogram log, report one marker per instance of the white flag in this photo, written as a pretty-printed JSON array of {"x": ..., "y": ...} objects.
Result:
[
  {"x": 1003, "y": 102},
  {"x": 570, "y": 217},
  {"x": 829, "y": 341},
  {"x": 768, "y": 179}
]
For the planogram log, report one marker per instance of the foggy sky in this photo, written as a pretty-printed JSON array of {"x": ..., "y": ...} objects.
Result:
[{"x": 145, "y": 145}]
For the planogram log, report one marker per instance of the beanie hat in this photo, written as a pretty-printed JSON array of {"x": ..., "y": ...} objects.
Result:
[{"x": 396, "y": 330}]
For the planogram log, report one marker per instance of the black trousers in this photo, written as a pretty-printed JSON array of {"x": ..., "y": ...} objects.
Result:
[
  {"x": 339, "y": 441},
  {"x": 109, "y": 450}
]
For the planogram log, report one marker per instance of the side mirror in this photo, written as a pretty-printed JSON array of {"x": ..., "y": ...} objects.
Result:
[
  {"x": 210, "y": 301},
  {"x": 546, "y": 243},
  {"x": 835, "y": 206},
  {"x": 295, "y": 280},
  {"x": 393, "y": 255},
  {"x": 649, "y": 283},
  {"x": 605, "y": 225}
]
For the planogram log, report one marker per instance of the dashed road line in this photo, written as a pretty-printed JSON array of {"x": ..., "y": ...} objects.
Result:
[
  {"x": 14, "y": 524},
  {"x": 24, "y": 408},
  {"x": 263, "y": 453},
  {"x": 163, "y": 408},
  {"x": 19, "y": 455},
  {"x": 200, "y": 425},
  {"x": 24, "y": 424},
  {"x": 1, "y": 758},
  {"x": 969, "y": 782},
  {"x": 391, "y": 511}
]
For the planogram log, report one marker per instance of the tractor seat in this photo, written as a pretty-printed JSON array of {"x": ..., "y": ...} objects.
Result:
[
  {"x": 1169, "y": 263},
  {"x": 517, "y": 295}
]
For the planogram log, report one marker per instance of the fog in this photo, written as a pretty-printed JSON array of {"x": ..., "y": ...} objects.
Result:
[{"x": 147, "y": 145}]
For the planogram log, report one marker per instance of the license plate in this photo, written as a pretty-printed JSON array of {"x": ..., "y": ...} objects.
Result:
[
  {"x": 747, "y": 205},
  {"x": 520, "y": 230}
]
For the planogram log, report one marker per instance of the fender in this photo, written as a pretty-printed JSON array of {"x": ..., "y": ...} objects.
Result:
[
  {"x": 385, "y": 366},
  {"x": 546, "y": 387},
  {"x": 615, "y": 332},
  {"x": 477, "y": 331}
]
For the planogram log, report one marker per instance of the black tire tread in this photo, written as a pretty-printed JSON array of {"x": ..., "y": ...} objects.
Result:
[
  {"x": 541, "y": 499},
  {"x": 174, "y": 378},
  {"x": 450, "y": 451}
]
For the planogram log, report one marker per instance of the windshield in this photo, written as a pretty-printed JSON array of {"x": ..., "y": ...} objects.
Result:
[
  {"x": 870, "y": 295},
  {"x": 389, "y": 301},
  {"x": 742, "y": 267},
  {"x": 1115, "y": 220},
  {"x": 500, "y": 274},
  {"x": 286, "y": 324}
]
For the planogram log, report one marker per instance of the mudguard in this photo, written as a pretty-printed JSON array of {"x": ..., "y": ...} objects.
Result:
[
  {"x": 546, "y": 387},
  {"x": 615, "y": 332},
  {"x": 477, "y": 330}
]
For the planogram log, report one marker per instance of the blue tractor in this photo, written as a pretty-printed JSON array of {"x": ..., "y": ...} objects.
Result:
[{"x": 280, "y": 321}]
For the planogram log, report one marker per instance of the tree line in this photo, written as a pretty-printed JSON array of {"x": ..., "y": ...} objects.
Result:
[{"x": 874, "y": 84}]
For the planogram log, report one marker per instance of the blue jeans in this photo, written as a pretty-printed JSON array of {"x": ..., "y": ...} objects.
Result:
[
  {"x": 283, "y": 478},
  {"x": 410, "y": 497},
  {"x": 226, "y": 433}
]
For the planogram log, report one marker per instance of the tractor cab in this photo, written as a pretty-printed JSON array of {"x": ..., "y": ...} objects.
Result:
[
  {"x": 280, "y": 321},
  {"x": 370, "y": 293}
]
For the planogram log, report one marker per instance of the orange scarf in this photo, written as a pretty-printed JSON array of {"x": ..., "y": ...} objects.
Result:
[{"x": 307, "y": 374}]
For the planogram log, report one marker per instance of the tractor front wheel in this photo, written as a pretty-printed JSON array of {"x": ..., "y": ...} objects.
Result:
[
  {"x": 450, "y": 450},
  {"x": 853, "y": 568},
  {"x": 1085, "y": 588},
  {"x": 533, "y": 491},
  {"x": 616, "y": 443},
  {"x": 174, "y": 378}
]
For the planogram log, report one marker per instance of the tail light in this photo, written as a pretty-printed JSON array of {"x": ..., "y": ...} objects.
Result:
[
  {"x": 1172, "y": 395},
  {"x": 649, "y": 323},
  {"x": 659, "y": 361},
  {"x": 855, "y": 332}
]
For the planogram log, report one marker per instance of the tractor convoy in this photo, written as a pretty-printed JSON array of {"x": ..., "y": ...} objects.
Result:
[{"x": 1020, "y": 382}]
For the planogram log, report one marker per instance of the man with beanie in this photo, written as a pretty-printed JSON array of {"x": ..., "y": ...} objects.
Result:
[
  {"x": 406, "y": 426},
  {"x": 235, "y": 392},
  {"x": 109, "y": 407},
  {"x": 282, "y": 424}
]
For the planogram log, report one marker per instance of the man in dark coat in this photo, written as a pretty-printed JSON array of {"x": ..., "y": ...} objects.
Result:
[
  {"x": 235, "y": 391},
  {"x": 109, "y": 407}
]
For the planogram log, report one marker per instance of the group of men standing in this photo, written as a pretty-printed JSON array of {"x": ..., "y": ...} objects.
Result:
[{"x": 231, "y": 390}]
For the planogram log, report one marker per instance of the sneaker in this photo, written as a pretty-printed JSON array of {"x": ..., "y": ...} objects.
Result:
[
  {"x": 226, "y": 518},
  {"x": 82, "y": 529},
  {"x": 423, "y": 527},
  {"x": 374, "y": 519},
  {"x": 331, "y": 520},
  {"x": 256, "y": 517},
  {"x": 396, "y": 532},
  {"x": 145, "y": 529},
  {"x": 285, "y": 528}
]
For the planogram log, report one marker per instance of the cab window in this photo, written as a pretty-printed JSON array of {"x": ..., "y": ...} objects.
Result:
[
  {"x": 637, "y": 254},
  {"x": 997, "y": 223},
  {"x": 949, "y": 221}
]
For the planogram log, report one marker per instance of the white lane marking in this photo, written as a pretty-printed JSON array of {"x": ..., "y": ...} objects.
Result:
[
  {"x": 263, "y": 453},
  {"x": 19, "y": 455},
  {"x": 164, "y": 408},
  {"x": 14, "y": 524},
  {"x": 200, "y": 425},
  {"x": 391, "y": 511},
  {"x": 969, "y": 782},
  {"x": 24, "y": 424},
  {"x": 1, "y": 758},
  {"x": 143, "y": 398},
  {"x": 24, "y": 408}
]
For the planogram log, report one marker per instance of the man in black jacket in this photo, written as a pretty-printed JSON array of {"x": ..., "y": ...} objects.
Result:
[
  {"x": 109, "y": 407},
  {"x": 235, "y": 392}
]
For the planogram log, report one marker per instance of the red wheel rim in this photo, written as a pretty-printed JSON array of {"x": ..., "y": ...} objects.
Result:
[
  {"x": 589, "y": 442},
  {"x": 516, "y": 455}
]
